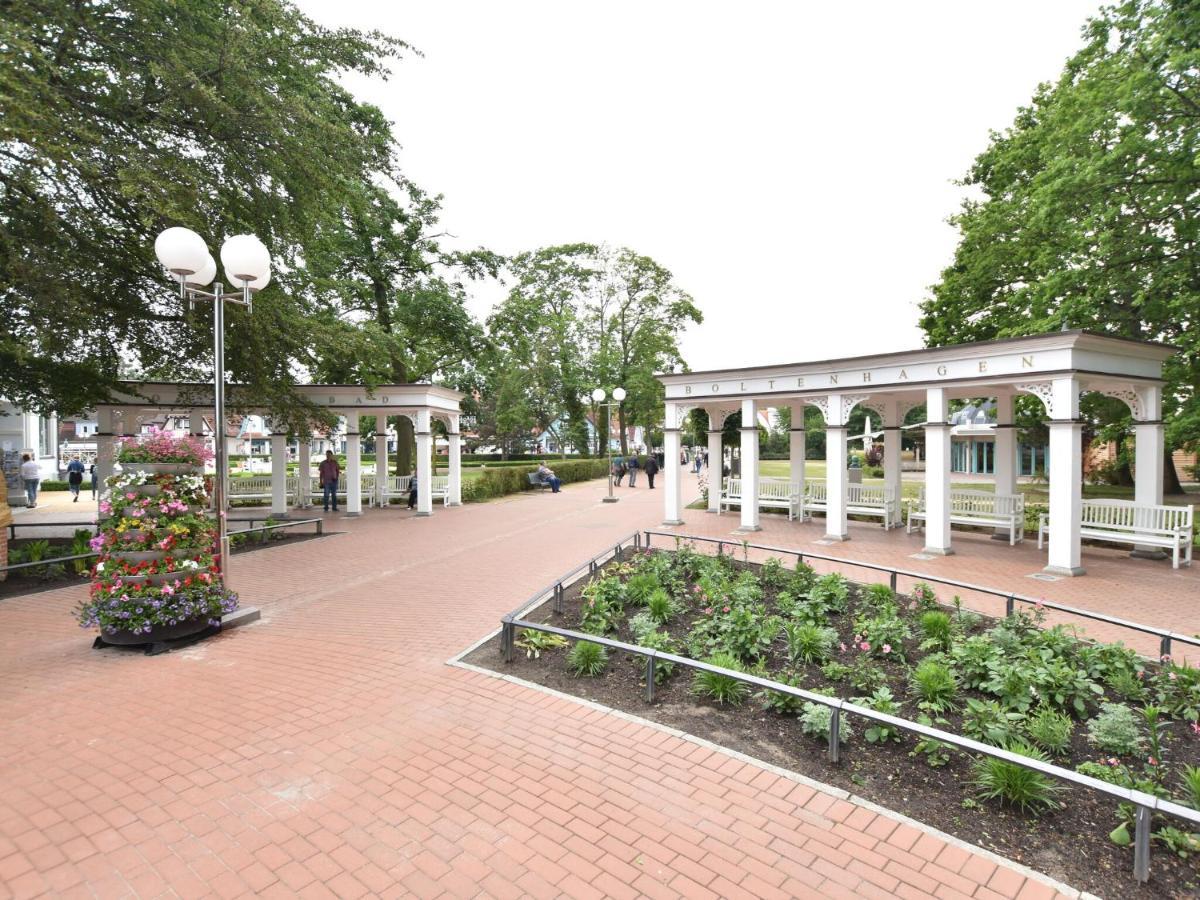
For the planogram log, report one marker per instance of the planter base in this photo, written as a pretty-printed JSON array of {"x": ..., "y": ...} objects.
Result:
[{"x": 174, "y": 637}]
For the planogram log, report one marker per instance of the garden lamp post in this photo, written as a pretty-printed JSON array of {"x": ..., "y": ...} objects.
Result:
[
  {"x": 247, "y": 263},
  {"x": 598, "y": 396}
]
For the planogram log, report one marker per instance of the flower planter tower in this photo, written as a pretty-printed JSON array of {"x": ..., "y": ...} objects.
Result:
[{"x": 158, "y": 575}]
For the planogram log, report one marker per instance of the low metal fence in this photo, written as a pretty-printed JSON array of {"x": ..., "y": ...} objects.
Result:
[
  {"x": 1145, "y": 805},
  {"x": 1165, "y": 636},
  {"x": 13, "y": 526}
]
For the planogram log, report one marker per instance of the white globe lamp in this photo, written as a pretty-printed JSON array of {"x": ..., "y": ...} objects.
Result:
[
  {"x": 619, "y": 394},
  {"x": 203, "y": 277},
  {"x": 598, "y": 395},
  {"x": 247, "y": 261},
  {"x": 181, "y": 251}
]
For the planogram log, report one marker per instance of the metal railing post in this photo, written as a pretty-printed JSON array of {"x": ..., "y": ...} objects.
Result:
[
  {"x": 320, "y": 526},
  {"x": 895, "y": 575},
  {"x": 1009, "y": 604},
  {"x": 1164, "y": 646},
  {"x": 617, "y": 553},
  {"x": 506, "y": 640},
  {"x": 835, "y": 727},
  {"x": 650, "y": 676},
  {"x": 558, "y": 598},
  {"x": 1141, "y": 845}
]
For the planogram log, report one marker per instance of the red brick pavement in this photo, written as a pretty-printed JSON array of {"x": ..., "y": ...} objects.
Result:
[{"x": 329, "y": 751}]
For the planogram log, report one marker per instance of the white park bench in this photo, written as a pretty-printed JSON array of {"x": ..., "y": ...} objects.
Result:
[
  {"x": 773, "y": 493},
  {"x": 981, "y": 508},
  {"x": 257, "y": 487},
  {"x": 398, "y": 486},
  {"x": 1126, "y": 522},
  {"x": 861, "y": 500},
  {"x": 316, "y": 494}
]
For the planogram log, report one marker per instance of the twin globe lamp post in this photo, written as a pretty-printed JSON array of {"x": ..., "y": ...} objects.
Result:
[
  {"x": 247, "y": 264},
  {"x": 598, "y": 396}
]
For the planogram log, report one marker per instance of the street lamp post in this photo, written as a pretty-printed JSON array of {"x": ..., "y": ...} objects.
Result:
[
  {"x": 247, "y": 263},
  {"x": 598, "y": 396}
]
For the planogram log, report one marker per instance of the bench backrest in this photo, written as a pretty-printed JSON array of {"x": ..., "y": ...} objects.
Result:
[
  {"x": 259, "y": 484},
  {"x": 774, "y": 489},
  {"x": 1128, "y": 515},
  {"x": 856, "y": 494},
  {"x": 969, "y": 502}
]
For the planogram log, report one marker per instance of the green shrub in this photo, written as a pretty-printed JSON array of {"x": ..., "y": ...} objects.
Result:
[
  {"x": 816, "y": 719},
  {"x": 1126, "y": 685},
  {"x": 934, "y": 685},
  {"x": 661, "y": 641},
  {"x": 779, "y": 702},
  {"x": 808, "y": 643},
  {"x": 743, "y": 631},
  {"x": 832, "y": 591},
  {"x": 803, "y": 577},
  {"x": 1115, "y": 730},
  {"x": 660, "y": 606},
  {"x": 880, "y": 599},
  {"x": 53, "y": 484},
  {"x": 1191, "y": 781},
  {"x": 1050, "y": 730},
  {"x": 587, "y": 659},
  {"x": 923, "y": 596},
  {"x": 936, "y": 627},
  {"x": 885, "y": 634},
  {"x": 499, "y": 481},
  {"x": 722, "y": 688},
  {"x": 603, "y": 605},
  {"x": 1010, "y": 783},
  {"x": 640, "y": 586},
  {"x": 988, "y": 721},
  {"x": 936, "y": 753},
  {"x": 881, "y": 701},
  {"x": 773, "y": 575}
]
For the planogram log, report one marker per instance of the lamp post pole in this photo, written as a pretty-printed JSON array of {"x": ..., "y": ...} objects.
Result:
[
  {"x": 598, "y": 395},
  {"x": 247, "y": 262}
]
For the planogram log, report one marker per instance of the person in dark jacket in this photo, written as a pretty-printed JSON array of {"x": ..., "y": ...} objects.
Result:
[
  {"x": 651, "y": 470},
  {"x": 634, "y": 465}
]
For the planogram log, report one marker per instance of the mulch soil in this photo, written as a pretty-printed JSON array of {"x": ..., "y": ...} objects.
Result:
[{"x": 1070, "y": 843}]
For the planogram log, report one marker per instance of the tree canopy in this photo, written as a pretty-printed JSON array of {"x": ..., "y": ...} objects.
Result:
[{"x": 1089, "y": 210}]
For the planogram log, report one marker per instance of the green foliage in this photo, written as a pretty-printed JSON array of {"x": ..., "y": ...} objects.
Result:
[
  {"x": 884, "y": 633},
  {"x": 879, "y": 599},
  {"x": 1177, "y": 690},
  {"x": 603, "y": 605},
  {"x": 864, "y": 676},
  {"x": 1127, "y": 685},
  {"x": 587, "y": 659},
  {"x": 936, "y": 753},
  {"x": 534, "y": 643},
  {"x": 816, "y": 719},
  {"x": 499, "y": 482},
  {"x": 804, "y": 577},
  {"x": 1011, "y": 783},
  {"x": 1115, "y": 729},
  {"x": 722, "y": 688},
  {"x": 923, "y": 596},
  {"x": 660, "y": 606},
  {"x": 988, "y": 721},
  {"x": 773, "y": 575},
  {"x": 1191, "y": 782},
  {"x": 779, "y": 702},
  {"x": 640, "y": 586},
  {"x": 832, "y": 592},
  {"x": 1011, "y": 682},
  {"x": 808, "y": 643},
  {"x": 659, "y": 640},
  {"x": 1049, "y": 729},
  {"x": 882, "y": 701},
  {"x": 836, "y": 671},
  {"x": 1069, "y": 228},
  {"x": 934, "y": 685},
  {"x": 938, "y": 630},
  {"x": 973, "y": 659},
  {"x": 743, "y": 631}
]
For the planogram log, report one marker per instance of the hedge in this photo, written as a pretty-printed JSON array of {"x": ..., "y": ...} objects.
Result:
[
  {"x": 50, "y": 484},
  {"x": 501, "y": 480}
]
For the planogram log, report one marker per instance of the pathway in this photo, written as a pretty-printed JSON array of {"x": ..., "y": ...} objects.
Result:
[{"x": 329, "y": 751}]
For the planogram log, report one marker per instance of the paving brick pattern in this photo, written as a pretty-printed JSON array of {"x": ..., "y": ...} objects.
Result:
[{"x": 328, "y": 751}]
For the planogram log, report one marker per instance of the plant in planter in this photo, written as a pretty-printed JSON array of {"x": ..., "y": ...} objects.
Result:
[{"x": 157, "y": 577}]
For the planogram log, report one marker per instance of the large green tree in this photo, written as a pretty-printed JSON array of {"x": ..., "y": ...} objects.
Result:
[
  {"x": 1090, "y": 207},
  {"x": 122, "y": 118}
]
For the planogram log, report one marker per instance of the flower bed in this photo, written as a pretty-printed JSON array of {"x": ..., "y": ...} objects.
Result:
[
  {"x": 158, "y": 574},
  {"x": 1039, "y": 691}
]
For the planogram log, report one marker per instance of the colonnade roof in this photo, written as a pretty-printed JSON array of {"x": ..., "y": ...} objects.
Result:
[
  {"x": 168, "y": 396},
  {"x": 1097, "y": 360}
]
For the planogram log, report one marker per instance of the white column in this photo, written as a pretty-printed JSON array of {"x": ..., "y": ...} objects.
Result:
[
  {"x": 1066, "y": 478},
  {"x": 381, "y": 459},
  {"x": 353, "y": 465},
  {"x": 937, "y": 472},
  {"x": 750, "y": 466},
  {"x": 454, "y": 458},
  {"x": 304, "y": 472},
  {"x": 424, "y": 463},
  {"x": 1148, "y": 458},
  {"x": 672, "y": 487},
  {"x": 1004, "y": 454},
  {"x": 278, "y": 473},
  {"x": 892, "y": 470},
  {"x": 716, "y": 463},
  {"x": 836, "y": 479},
  {"x": 797, "y": 447}
]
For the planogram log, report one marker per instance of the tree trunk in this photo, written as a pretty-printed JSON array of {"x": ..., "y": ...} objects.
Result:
[
  {"x": 405, "y": 445},
  {"x": 1171, "y": 483},
  {"x": 624, "y": 434}
]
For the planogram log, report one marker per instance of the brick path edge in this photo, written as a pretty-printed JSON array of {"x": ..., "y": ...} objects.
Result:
[{"x": 836, "y": 792}]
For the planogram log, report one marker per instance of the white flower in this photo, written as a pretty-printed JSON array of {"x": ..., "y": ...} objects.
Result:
[{"x": 99, "y": 567}]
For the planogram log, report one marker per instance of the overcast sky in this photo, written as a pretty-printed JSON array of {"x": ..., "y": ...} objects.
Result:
[{"x": 791, "y": 163}]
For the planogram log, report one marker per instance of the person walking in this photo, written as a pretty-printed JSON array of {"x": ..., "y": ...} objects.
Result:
[
  {"x": 74, "y": 477},
  {"x": 634, "y": 465},
  {"x": 31, "y": 475},
  {"x": 651, "y": 470},
  {"x": 95, "y": 479},
  {"x": 618, "y": 469},
  {"x": 328, "y": 473},
  {"x": 412, "y": 490}
]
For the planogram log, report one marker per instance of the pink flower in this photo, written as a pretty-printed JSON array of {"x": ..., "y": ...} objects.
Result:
[
  {"x": 708, "y": 610},
  {"x": 1141, "y": 674},
  {"x": 726, "y": 609},
  {"x": 843, "y": 646},
  {"x": 864, "y": 646},
  {"x": 1113, "y": 761},
  {"x": 1171, "y": 676},
  {"x": 1196, "y": 728},
  {"x": 1152, "y": 761},
  {"x": 1039, "y": 605},
  {"x": 1166, "y": 657},
  {"x": 857, "y": 638},
  {"x": 887, "y": 648}
]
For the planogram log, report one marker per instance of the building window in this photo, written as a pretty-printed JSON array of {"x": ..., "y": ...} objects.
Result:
[{"x": 45, "y": 437}]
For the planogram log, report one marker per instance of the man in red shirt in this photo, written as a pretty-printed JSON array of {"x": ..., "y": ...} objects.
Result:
[{"x": 328, "y": 474}]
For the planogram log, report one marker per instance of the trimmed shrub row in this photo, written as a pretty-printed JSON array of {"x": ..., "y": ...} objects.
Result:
[{"x": 501, "y": 480}]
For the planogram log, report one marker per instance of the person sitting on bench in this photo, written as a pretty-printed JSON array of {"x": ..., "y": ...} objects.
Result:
[
  {"x": 412, "y": 490},
  {"x": 546, "y": 474}
]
